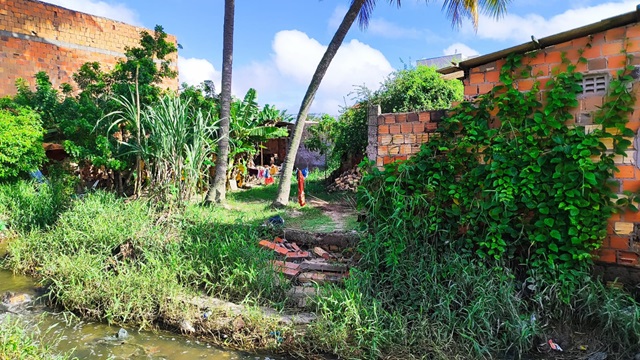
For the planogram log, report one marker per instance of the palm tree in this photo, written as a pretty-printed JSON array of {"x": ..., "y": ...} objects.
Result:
[
  {"x": 217, "y": 192},
  {"x": 362, "y": 9}
]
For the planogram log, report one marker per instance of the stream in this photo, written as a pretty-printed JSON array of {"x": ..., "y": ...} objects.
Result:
[{"x": 94, "y": 340}]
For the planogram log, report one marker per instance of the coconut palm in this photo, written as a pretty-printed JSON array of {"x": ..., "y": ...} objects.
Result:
[
  {"x": 362, "y": 9},
  {"x": 217, "y": 191}
]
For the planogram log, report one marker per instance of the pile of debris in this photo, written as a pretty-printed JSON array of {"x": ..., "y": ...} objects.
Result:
[
  {"x": 306, "y": 267},
  {"x": 348, "y": 181}
]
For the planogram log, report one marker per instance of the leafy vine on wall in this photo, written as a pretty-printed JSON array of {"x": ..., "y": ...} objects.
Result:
[{"x": 510, "y": 176}]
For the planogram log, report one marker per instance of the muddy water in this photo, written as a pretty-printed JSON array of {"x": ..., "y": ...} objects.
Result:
[{"x": 90, "y": 340}]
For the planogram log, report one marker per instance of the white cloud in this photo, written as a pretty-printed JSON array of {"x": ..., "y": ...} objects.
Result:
[
  {"x": 113, "y": 11},
  {"x": 194, "y": 71},
  {"x": 336, "y": 17},
  {"x": 460, "y": 48},
  {"x": 282, "y": 79},
  {"x": 390, "y": 30},
  {"x": 521, "y": 27}
]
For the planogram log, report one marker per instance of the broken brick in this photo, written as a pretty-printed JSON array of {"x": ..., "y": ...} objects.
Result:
[
  {"x": 281, "y": 250},
  {"x": 287, "y": 268},
  {"x": 321, "y": 252},
  {"x": 320, "y": 277},
  {"x": 278, "y": 240},
  {"x": 267, "y": 244},
  {"x": 312, "y": 276},
  {"x": 295, "y": 247},
  {"x": 297, "y": 255},
  {"x": 283, "y": 264},
  {"x": 289, "y": 272}
]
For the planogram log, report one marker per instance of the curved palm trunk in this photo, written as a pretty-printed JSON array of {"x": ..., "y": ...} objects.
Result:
[
  {"x": 217, "y": 192},
  {"x": 284, "y": 187}
]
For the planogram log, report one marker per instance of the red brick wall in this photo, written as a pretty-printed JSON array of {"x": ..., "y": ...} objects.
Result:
[
  {"x": 398, "y": 136},
  {"x": 36, "y": 36},
  {"x": 622, "y": 245}
]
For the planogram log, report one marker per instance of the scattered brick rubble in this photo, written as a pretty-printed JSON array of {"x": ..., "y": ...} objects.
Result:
[
  {"x": 306, "y": 267},
  {"x": 348, "y": 181}
]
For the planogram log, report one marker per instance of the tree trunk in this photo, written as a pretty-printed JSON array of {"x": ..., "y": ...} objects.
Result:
[
  {"x": 217, "y": 192},
  {"x": 284, "y": 187}
]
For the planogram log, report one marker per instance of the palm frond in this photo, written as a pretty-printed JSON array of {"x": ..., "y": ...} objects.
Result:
[{"x": 457, "y": 10}]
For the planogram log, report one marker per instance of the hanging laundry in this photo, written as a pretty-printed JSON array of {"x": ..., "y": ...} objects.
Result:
[
  {"x": 301, "y": 199},
  {"x": 268, "y": 179}
]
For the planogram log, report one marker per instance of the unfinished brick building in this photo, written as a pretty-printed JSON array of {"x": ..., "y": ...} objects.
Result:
[
  {"x": 398, "y": 136},
  {"x": 36, "y": 36}
]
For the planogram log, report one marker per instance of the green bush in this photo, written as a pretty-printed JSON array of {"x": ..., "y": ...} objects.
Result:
[
  {"x": 417, "y": 89},
  {"x": 21, "y": 148},
  {"x": 29, "y": 205},
  {"x": 481, "y": 242}
]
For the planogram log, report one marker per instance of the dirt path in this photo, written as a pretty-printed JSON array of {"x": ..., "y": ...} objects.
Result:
[{"x": 342, "y": 213}]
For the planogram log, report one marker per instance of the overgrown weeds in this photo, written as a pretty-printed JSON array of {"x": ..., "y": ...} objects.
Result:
[
  {"x": 481, "y": 243},
  {"x": 19, "y": 342},
  {"x": 28, "y": 205},
  {"x": 438, "y": 305},
  {"x": 127, "y": 263},
  {"x": 443, "y": 305}
]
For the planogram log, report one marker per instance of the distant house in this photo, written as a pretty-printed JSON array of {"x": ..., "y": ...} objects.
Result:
[
  {"x": 445, "y": 61},
  {"x": 38, "y": 36},
  {"x": 275, "y": 150},
  {"x": 601, "y": 44}
]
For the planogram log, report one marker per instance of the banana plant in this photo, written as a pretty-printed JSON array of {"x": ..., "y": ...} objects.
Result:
[{"x": 252, "y": 126}]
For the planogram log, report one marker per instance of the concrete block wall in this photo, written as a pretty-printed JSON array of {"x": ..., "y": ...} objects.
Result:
[
  {"x": 604, "y": 56},
  {"x": 36, "y": 36}
]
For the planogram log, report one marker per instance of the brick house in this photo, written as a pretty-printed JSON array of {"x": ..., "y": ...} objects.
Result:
[
  {"x": 399, "y": 136},
  {"x": 37, "y": 36}
]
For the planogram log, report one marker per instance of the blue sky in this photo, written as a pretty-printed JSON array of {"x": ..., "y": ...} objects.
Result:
[{"x": 279, "y": 42}]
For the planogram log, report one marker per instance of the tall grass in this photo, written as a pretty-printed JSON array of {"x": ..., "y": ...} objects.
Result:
[
  {"x": 82, "y": 261},
  {"x": 225, "y": 260},
  {"x": 19, "y": 342},
  {"x": 440, "y": 306},
  {"x": 28, "y": 205},
  {"x": 453, "y": 307}
]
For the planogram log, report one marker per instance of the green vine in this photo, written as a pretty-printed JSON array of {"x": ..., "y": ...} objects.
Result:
[{"x": 510, "y": 177}]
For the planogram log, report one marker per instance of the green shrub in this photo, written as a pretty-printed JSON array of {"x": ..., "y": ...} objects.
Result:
[
  {"x": 417, "y": 89},
  {"x": 29, "y": 205},
  {"x": 21, "y": 148},
  {"x": 481, "y": 242}
]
